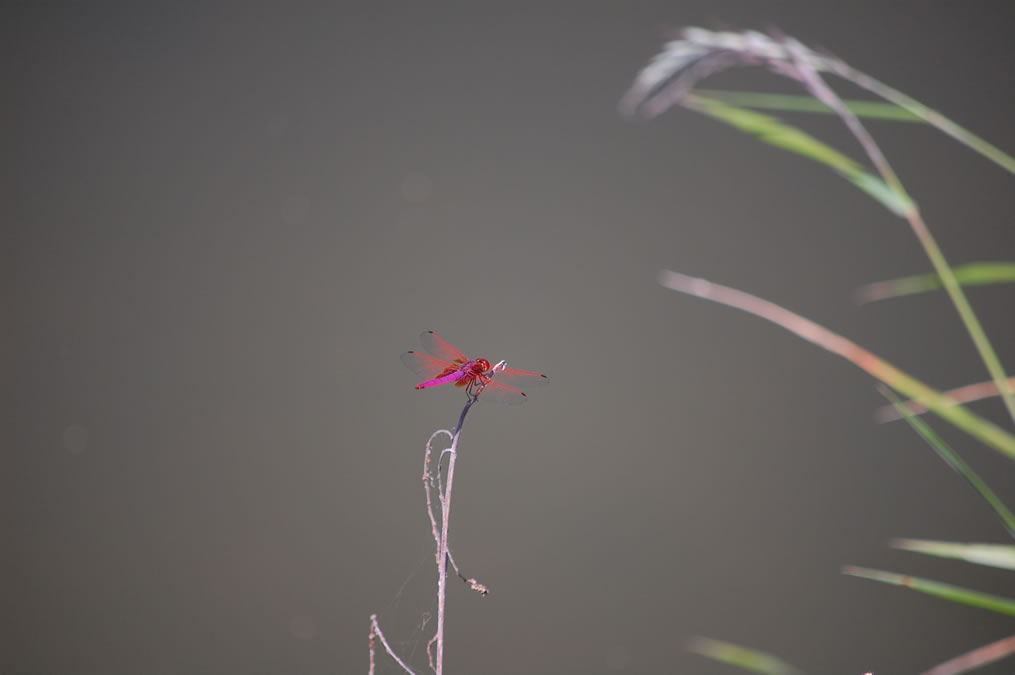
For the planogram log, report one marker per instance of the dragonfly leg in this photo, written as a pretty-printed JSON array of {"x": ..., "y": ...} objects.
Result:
[{"x": 477, "y": 384}]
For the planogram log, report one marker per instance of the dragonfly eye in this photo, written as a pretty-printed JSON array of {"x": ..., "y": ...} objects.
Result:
[{"x": 483, "y": 364}]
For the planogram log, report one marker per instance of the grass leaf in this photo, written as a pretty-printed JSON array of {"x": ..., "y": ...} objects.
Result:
[
  {"x": 742, "y": 657},
  {"x": 775, "y": 132},
  {"x": 809, "y": 104},
  {"x": 992, "y": 555},
  {"x": 965, "y": 394},
  {"x": 972, "y": 274},
  {"x": 964, "y": 596},
  {"x": 929, "y": 115},
  {"x": 952, "y": 459}
]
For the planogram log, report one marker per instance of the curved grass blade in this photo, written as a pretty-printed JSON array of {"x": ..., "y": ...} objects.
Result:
[
  {"x": 946, "y": 408},
  {"x": 977, "y": 658},
  {"x": 990, "y": 555},
  {"x": 963, "y": 596},
  {"x": 798, "y": 103},
  {"x": 973, "y": 274},
  {"x": 952, "y": 459},
  {"x": 742, "y": 657},
  {"x": 966, "y": 394},
  {"x": 901, "y": 109},
  {"x": 966, "y": 314},
  {"x": 775, "y": 132}
]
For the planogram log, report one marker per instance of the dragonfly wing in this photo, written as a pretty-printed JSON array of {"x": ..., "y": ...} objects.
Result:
[
  {"x": 425, "y": 366},
  {"x": 501, "y": 393},
  {"x": 520, "y": 378},
  {"x": 437, "y": 346}
]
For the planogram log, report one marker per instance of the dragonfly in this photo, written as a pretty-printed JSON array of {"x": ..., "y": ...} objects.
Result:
[{"x": 446, "y": 364}]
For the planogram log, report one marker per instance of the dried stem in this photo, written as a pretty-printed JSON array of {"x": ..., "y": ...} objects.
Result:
[
  {"x": 427, "y": 483},
  {"x": 443, "y": 554},
  {"x": 375, "y": 633},
  {"x": 442, "y": 541}
]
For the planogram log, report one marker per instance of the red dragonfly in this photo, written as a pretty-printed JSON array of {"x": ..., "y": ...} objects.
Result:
[{"x": 476, "y": 375}]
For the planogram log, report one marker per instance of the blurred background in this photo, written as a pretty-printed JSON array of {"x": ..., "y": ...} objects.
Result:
[{"x": 224, "y": 222}]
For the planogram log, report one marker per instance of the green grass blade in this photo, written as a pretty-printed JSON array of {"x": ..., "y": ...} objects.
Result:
[
  {"x": 775, "y": 132},
  {"x": 971, "y": 274},
  {"x": 953, "y": 460},
  {"x": 963, "y": 596},
  {"x": 741, "y": 657},
  {"x": 991, "y": 555},
  {"x": 894, "y": 200},
  {"x": 809, "y": 104},
  {"x": 969, "y": 320}
]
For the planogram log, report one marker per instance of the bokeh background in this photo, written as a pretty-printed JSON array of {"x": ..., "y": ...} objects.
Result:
[{"x": 224, "y": 222}]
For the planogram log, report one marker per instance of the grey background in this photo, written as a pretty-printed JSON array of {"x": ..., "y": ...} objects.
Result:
[{"x": 223, "y": 223}]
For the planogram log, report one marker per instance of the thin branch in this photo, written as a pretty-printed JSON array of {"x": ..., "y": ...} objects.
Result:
[
  {"x": 427, "y": 483},
  {"x": 443, "y": 555},
  {"x": 376, "y": 632},
  {"x": 471, "y": 582}
]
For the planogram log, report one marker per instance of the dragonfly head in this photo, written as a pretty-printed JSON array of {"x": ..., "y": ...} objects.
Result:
[{"x": 482, "y": 365}]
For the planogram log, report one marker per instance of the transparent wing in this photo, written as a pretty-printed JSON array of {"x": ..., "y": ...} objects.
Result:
[
  {"x": 425, "y": 366},
  {"x": 437, "y": 346},
  {"x": 501, "y": 393},
  {"x": 520, "y": 378}
]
